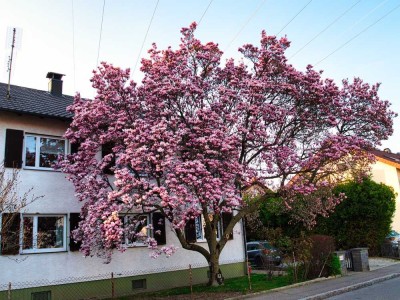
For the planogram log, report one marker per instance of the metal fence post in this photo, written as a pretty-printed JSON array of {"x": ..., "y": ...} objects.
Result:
[
  {"x": 248, "y": 272},
  {"x": 112, "y": 286},
  {"x": 191, "y": 281},
  {"x": 9, "y": 291}
]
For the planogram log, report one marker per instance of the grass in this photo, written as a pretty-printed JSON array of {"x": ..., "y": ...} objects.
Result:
[{"x": 259, "y": 282}]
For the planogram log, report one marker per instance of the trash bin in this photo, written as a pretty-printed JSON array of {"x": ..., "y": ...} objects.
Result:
[
  {"x": 360, "y": 259},
  {"x": 342, "y": 258}
]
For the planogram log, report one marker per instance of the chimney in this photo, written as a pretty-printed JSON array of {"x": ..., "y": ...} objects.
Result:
[
  {"x": 55, "y": 83},
  {"x": 387, "y": 150}
]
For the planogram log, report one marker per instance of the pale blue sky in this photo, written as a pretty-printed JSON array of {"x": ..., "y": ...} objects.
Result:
[{"x": 47, "y": 37}]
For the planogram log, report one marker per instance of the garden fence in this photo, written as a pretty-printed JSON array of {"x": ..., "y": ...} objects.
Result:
[
  {"x": 115, "y": 284},
  {"x": 390, "y": 249}
]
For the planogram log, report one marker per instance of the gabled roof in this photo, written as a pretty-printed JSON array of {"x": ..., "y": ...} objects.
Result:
[
  {"x": 34, "y": 102},
  {"x": 389, "y": 158},
  {"x": 255, "y": 188}
]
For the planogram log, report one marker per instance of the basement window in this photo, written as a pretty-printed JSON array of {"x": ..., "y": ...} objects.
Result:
[
  {"x": 41, "y": 295},
  {"x": 139, "y": 284}
]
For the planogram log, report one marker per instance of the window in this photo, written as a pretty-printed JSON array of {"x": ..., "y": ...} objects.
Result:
[
  {"x": 200, "y": 224},
  {"x": 136, "y": 229},
  {"x": 43, "y": 233},
  {"x": 195, "y": 228},
  {"x": 32, "y": 151},
  {"x": 42, "y": 151}
]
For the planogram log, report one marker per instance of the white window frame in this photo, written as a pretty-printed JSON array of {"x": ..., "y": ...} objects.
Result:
[
  {"x": 37, "y": 149},
  {"x": 35, "y": 229},
  {"x": 125, "y": 222},
  {"x": 200, "y": 229}
]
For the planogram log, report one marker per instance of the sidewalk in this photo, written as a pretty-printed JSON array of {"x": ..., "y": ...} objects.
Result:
[{"x": 324, "y": 288}]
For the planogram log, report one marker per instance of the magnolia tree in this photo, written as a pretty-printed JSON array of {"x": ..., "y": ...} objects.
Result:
[{"x": 196, "y": 131}]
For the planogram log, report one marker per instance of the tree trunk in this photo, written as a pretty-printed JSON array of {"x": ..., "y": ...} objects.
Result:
[{"x": 216, "y": 277}]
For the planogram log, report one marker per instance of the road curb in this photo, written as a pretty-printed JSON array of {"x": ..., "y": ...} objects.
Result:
[
  {"x": 351, "y": 287},
  {"x": 250, "y": 295},
  {"x": 321, "y": 295}
]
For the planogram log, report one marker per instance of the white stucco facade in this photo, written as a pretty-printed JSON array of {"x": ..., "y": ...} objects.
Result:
[
  {"x": 58, "y": 198},
  {"x": 388, "y": 173}
]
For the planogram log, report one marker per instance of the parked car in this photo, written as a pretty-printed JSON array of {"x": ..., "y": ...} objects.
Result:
[
  {"x": 393, "y": 238},
  {"x": 262, "y": 253}
]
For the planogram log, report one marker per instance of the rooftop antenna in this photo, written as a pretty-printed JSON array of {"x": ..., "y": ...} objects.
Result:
[{"x": 15, "y": 43}]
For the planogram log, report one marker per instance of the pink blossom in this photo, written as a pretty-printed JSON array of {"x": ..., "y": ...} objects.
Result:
[{"x": 197, "y": 130}]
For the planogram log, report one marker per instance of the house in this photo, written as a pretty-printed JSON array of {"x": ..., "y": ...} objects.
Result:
[
  {"x": 255, "y": 189},
  {"x": 386, "y": 170},
  {"x": 43, "y": 263}
]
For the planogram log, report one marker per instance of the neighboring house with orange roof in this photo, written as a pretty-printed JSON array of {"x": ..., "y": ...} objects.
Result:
[
  {"x": 254, "y": 189},
  {"x": 386, "y": 170}
]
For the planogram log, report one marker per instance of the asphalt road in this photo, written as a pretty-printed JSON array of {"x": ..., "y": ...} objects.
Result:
[{"x": 387, "y": 290}]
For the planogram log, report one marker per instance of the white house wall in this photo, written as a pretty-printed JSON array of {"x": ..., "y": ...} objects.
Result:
[
  {"x": 389, "y": 175},
  {"x": 58, "y": 198}
]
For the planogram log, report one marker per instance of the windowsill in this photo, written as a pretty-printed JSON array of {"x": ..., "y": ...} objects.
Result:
[
  {"x": 42, "y": 251},
  {"x": 205, "y": 241},
  {"x": 135, "y": 246},
  {"x": 40, "y": 169}
]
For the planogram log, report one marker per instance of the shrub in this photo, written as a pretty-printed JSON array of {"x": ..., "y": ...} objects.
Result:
[
  {"x": 298, "y": 258},
  {"x": 334, "y": 266},
  {"x": 363, "y": 219},
  {"x": 321, "y": 252}
]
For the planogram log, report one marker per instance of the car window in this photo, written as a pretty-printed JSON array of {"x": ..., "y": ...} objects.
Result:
[
  {"x": 250, "y": 247},
  {"x": 267, "y": 246},
  {"x": 259, "y": 246}
]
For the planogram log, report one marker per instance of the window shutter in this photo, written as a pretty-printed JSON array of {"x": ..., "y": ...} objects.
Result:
[
  {"x": 75, "y": 147},
  {"x": 105, "y": 150},
  {"x": 226, "y": 219},
  {"x": 13, "y": 150},
  {"x": 74, "y": 219},
  {"x": 10, "y": 230},
  {"x": 159, "y": 225},
  {"x": 190, "y": 231}
]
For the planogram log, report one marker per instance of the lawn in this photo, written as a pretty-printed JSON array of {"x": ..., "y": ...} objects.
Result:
[{"x": 232, "y": 287}]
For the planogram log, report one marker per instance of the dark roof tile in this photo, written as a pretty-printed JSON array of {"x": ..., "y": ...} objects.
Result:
[{"x": 34, "y": 102}]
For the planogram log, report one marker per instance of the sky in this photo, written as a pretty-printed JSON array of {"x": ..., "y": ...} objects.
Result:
[{"x": 345, "y": 38}]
